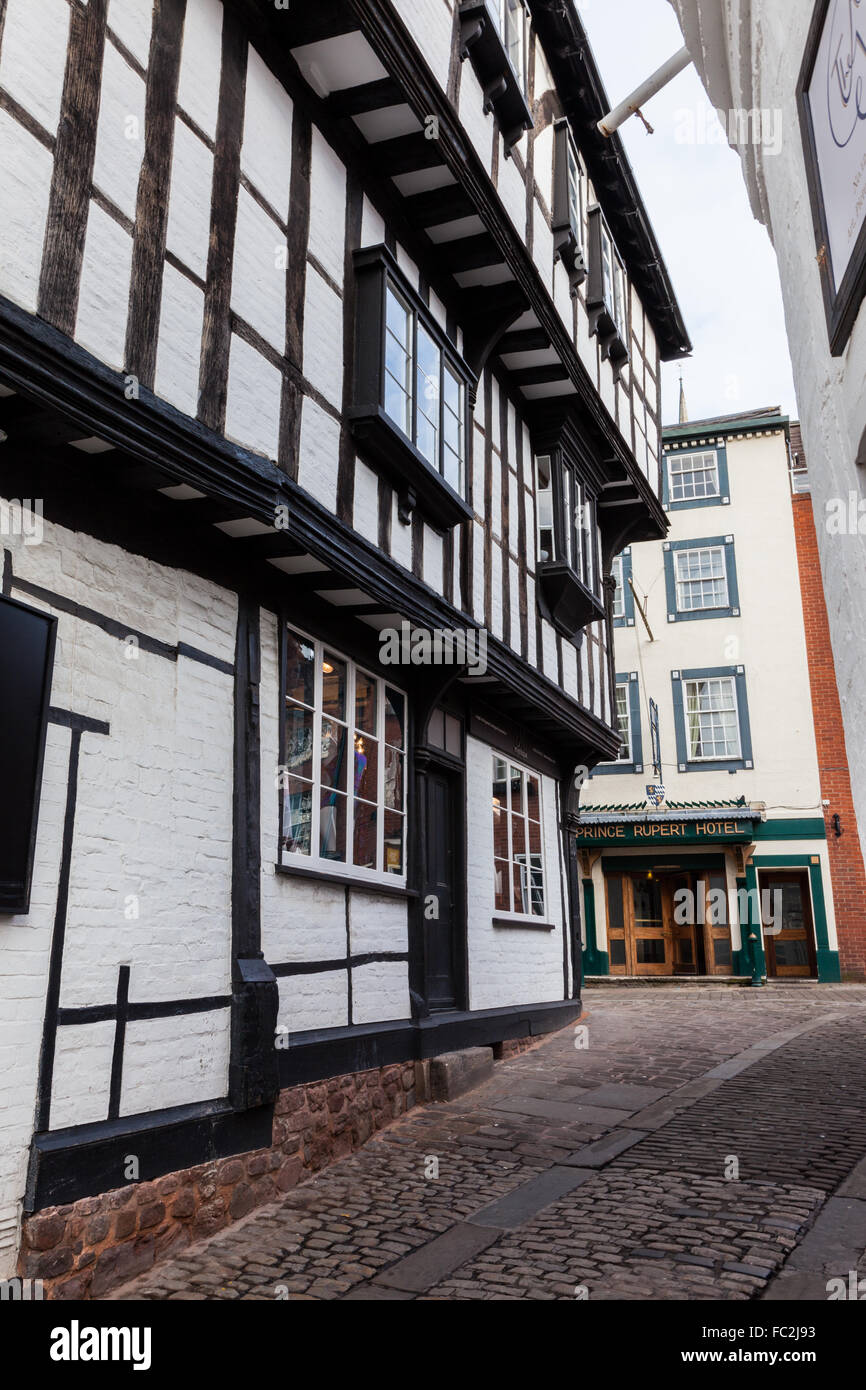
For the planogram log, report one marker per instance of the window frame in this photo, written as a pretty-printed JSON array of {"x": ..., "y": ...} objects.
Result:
[
  {"x": 721, "y": 498},
  {"x": 382, "y": 439},
  {"x": 624, "y": 561},
  {"x": 569, "y": 244},
  {"x": 484, "y": 37},
  {"x": 634, "y": 764},
  {"x": 314, "y": 863},
  {"x": 712, "y": 763},
  {"x": 608, "y": 287},
  {"x": 671, "y": 550},
  {"x": 508, "y": 915}
]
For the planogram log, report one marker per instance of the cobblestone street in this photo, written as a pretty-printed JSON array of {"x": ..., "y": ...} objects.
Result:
[{"x": 708, "y": 1143}]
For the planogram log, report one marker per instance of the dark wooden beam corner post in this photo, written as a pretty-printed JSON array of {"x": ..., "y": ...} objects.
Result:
[{"x": 253, "y": 1065}]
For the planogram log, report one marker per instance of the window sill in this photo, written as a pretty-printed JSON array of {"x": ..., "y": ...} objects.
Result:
[
  {"x": 731, "y": 765},
  {"x": 618, "y": 769},
  {"x": 572, "y": 606},
  {"x": 528, "y": 924},
  {"x": 358, "y": 885},
  {"x": 702, "y": 614},
  {"x": 411, "y": 475}
]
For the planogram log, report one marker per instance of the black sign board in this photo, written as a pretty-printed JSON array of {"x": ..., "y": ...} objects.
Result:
[{"x": 26, "y": 663}]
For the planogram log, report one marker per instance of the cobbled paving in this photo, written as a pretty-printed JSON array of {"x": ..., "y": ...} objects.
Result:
[{"x": 660, "y": 1221}]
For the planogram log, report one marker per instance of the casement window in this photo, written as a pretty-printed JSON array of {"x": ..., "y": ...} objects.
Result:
[
  {"x": 697, "y": 478},
  {"x": 568, "y": 185},
  {"x": 701, "y": 579},
  {"x": 627, "y": 721},
  {"x": 567, "y": 542},
  {"x": 518, "y": 854},
  {"x": 343, "y": 774},
  {"x": 607, "y": 293},
  {"x": 711, "y": 719},
  {"x": 623, "y": 598},
  {"x": 494, "y": 34},
  {"x": 411, "y": 396}
]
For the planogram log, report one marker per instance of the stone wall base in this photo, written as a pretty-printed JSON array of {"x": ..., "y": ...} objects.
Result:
[{"x": 85, "y": 1249}]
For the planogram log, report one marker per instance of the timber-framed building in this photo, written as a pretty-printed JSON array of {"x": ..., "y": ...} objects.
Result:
[{"x": 318, "y": 323}]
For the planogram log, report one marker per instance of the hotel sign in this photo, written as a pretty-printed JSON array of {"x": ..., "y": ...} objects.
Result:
[
  {"x": 665, "y": 832},
  {"x": 832, "y": 101}
]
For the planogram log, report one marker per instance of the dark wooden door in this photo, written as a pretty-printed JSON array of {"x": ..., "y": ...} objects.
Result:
[
  {"x": 790, "y": 952},
  {"x": 441, "y": 912}
]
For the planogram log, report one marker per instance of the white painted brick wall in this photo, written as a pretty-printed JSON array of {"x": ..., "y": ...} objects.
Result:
[
  {"x": 33, "y": 60},
  {"x": 178, "y": 355},
  {"x": 153, "y": 822},
  {"x": 132, "y": 21},
  {"x": 259, "y": 272},
  {"x": 429, "y": 22},
  {"x": 380, "y": 991},
  {"x": 253, "y": 400},
  {"x": 188, "y": 233},
  {"x": 323, "y": 339},
  {"x": 320, "y": 446},
  {"x": 25, "y": 189},
  {"x": 199, "y": 84},
  {"x": 327, "y": 207},
  {"x": 266, "y": 151},
  {"x": 104, "y": 295},
  {"x": 120, "y": 132},
  {"x": 507, "y": 965}
]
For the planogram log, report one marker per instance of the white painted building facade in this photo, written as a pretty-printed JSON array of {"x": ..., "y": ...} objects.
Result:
[
  {"x": 774, "y": 56},
  {"x": 710, "y": 629},
  {"x": 236, "y": 246}
]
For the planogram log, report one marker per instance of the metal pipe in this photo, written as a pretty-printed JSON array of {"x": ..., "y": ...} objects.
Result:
[{"x": 663, "y": 75}]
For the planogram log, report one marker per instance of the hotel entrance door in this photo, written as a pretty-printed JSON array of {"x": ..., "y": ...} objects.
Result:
[{"x": 654, "y": 928}]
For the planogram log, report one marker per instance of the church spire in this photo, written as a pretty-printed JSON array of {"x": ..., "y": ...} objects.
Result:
[{"x": 684, "y": 412}]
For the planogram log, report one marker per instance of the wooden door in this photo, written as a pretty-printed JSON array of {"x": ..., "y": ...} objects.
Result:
[
  {"x": 685, "y": 952},
  {"x": 441, "y": 947},
  {"x": 717, "y": 928},
  {"x": 650, "y": 935},
  {"x": 790, "y": 952}
]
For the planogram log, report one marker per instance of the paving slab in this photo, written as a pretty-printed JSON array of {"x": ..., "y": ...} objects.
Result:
[
  {"x": 532, "y": 1197},
  {"x": 425, "y": 1267},
  {"x": 577, "y": 1114},
  {"x": 624, "y": 1097},
  {"x": 603, "y": 1150}
]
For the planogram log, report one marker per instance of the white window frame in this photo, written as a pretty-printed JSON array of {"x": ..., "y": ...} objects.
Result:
[
  {"x": 527, "y": 872},
  {"x": 314, "y": 862},
  {"x": 711, "y": 579},
  {"x": 712, "y": 757},
  {"x": 700, "y": 467},
  {"x": 627, "y": 742},
  {"x": 618, "y": 608}
]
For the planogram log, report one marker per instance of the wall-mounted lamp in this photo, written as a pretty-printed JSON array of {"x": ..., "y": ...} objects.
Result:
[{"x": 837, "y": 825}]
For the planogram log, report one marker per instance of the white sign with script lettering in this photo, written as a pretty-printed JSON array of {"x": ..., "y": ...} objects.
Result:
[{"x": 837, "y": 103}]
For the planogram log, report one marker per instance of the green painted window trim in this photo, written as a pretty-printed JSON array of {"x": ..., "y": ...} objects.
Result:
[{"x": 724, "y": 497}]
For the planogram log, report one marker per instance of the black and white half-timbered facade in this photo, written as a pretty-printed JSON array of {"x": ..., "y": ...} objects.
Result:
[{"x": 330, "y": 339}]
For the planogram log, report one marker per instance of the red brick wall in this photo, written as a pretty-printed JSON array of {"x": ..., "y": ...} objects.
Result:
[
  {"x": 88, "y": 1247},
  {"x": 846, "y": 860}
]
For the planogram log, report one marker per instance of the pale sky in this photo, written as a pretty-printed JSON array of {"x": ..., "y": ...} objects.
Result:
[{"x": 720, "y": 260}]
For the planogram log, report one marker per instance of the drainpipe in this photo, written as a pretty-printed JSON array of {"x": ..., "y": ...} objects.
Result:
[{"x": 632, "y": 104}]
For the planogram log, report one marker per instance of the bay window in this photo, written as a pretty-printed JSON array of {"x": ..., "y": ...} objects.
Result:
[
  {"x": 568, "y": 235},
  {"x": 493, "y": 33},
  {"x": 567, "y": 542},
  {"x": 343, "y": 805},
  {"x": 607, "y": 293},
  {"x": 411, "y": 393}
]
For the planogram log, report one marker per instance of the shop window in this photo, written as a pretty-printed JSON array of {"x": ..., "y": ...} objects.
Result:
[{"x": 343, "y": 806}]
